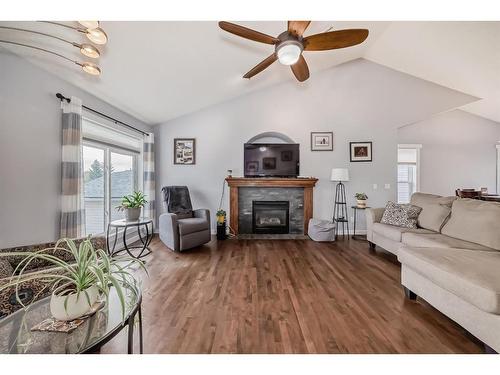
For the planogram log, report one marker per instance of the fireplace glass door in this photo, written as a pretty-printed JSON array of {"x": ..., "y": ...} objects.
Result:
[{"x": 270, "y": 217}]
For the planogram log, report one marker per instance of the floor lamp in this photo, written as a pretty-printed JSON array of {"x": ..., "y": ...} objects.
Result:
[{"x": 340, "y": 215}]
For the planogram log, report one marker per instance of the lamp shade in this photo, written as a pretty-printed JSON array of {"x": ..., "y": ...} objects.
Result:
[{"x": 340, "y": 174}]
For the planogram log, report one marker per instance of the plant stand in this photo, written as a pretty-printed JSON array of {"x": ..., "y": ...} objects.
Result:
[{"x": 221, "y": 231}]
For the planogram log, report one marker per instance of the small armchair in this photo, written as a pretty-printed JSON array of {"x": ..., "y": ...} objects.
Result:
[{"x": 181, "y": 227}]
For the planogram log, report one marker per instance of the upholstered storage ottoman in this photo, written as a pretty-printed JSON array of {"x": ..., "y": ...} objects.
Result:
[{"x": 321, "y": 230}]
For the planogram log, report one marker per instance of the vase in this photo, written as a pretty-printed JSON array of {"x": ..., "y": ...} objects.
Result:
[
  {"x": 132, "y": 214},
  {"x": 361, "y": 203},
  {"x": 76, "y": 306}
]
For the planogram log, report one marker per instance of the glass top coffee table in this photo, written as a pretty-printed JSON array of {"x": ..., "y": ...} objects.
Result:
[{"x": 16, "y": 335}]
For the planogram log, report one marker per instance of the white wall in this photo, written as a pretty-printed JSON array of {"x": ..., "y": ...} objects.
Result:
[
  {"x": 30, "y": 149},
  {"x": 458, "y": 151},
  {"x": 358, "y": 101}
]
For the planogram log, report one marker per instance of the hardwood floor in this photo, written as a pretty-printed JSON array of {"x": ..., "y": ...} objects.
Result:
[{"x": 286, "y": 296}]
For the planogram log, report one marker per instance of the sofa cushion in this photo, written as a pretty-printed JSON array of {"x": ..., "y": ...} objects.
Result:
[
  {"x": 6, "y": 269},
  {"x": 469, "y": 274},
  {"x": 475, "y": 221},
  {"x": 439, "y": 240},
  {"x": 192, "y": 225},
  {"x": 395, "y": 233},
  {"x": 401, "y": 215},
  {"x": 435, "y": 210}
]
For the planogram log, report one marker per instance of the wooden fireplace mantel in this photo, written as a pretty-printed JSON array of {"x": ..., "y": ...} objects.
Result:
[{"x": 235, "y": 183}]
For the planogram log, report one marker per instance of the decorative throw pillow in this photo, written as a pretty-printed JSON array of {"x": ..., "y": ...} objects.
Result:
[{"x": 401, "y": 215}]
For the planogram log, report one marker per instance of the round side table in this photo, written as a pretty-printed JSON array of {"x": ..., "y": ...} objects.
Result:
[
  {"x": 354, "y": 236},
  {"x": 124, "y": 224}
]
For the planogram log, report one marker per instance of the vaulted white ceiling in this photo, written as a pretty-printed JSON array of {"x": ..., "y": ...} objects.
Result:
[
  {"x": 157, "y": 71},
  {"x": 464, "y": 56}
]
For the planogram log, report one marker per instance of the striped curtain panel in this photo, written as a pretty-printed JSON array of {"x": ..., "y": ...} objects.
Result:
[
  {"x": 149, "y": 175},
  {"x": 72, "y": 207}
]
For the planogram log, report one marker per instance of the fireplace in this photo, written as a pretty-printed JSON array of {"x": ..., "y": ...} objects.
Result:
[{"x": 270, "y": 217}]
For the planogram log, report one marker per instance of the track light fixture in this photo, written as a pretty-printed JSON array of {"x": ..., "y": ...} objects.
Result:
[
  {"x": 87, "y": 67},
  {"x": 94, "y": 34},
  {"x": 89, "y": 24},
  {"x": 85, "y": 48}
]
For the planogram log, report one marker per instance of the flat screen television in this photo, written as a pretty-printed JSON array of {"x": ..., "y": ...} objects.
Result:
[{"x": 272, "y": 159}]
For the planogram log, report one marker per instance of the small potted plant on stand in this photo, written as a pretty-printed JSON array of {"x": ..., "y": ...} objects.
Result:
[
  {"x": 361, "y": 199},
  {"x": 221, "y": 224},
  {"x": 78, "y": 284},
  {"x": 132, "y": 205}
]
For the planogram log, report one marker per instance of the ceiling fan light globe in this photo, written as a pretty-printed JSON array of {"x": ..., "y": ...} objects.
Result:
[
  {"x": 97, "y": 35},
  {"x": 289, "y": 54},
  {"x": 89, "y": 51},
  {"x": 91, "y": 68}
]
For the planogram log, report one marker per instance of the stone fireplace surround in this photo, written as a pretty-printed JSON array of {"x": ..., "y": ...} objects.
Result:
[{"x": 243, "y": 191}]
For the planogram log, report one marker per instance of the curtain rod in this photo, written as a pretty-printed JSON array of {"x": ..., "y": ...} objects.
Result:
[{"x": 62, "y": 97}]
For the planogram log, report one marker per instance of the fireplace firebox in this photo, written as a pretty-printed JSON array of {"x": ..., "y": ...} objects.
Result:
[{"x": 270, "y": 217}]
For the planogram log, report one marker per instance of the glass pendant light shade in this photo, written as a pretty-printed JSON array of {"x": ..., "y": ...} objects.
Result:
[
  {"x": 97, "y": 35},
  {"x": 289, "y": 52},
  {"x": 91, "y": 68},
  {"x": 89, "y": 50},
  {"x": 89, "y": 24}
]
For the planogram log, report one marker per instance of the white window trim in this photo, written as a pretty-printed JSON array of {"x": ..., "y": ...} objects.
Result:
[
  {"x": 498, "y": 169},
  {"x": 417, "y": 147}
]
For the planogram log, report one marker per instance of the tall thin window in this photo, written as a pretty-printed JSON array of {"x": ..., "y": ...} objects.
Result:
[
  {"x": 408, "y": 171},
  {"x": 111, "y": 169},
  {"x": 498, "y": 169}
]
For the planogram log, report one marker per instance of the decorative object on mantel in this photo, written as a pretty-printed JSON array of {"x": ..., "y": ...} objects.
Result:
[
  {"x": 340, "y": 215},
  {"x": 77, "y": 283},
  {"x": 361, "y": 199},
  {"x": 132, "y": 205},
  {"x": 360, "y": 151},
  {"x": 321, "y": 141},
  {"x": 185, "y": 151}
]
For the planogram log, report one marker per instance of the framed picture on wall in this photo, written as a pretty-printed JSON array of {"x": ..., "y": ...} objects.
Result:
[
  {"x": 185, "y": 151},
  {"x": 321, "y": 141},
  {"x": 360, "y": 151}
]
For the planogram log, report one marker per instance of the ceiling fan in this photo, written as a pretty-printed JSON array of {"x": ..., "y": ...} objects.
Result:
[{"x": 289, "y": 45}]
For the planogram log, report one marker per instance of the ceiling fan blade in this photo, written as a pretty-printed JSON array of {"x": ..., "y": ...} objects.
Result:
[
  {"x": 297, "y": 28},
  {"x": 247, "y": 33},
  {"x": 300, "y": 69},
  {"x": 335, "y": 39},
  {"x": 261, "y": 66}
]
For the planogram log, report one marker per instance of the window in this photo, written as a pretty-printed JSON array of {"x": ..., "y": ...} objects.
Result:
[
  {"x": 408, "y": 171},
  {"x": 111, "y": 170},
  {"x": 498, "y": 169}
]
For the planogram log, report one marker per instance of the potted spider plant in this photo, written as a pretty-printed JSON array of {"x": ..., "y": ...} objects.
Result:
[
  {"x": 132, "y": 205},
  {"x": 361, "y": 199},
  {"x": 76, "y": 285},
  {"x": 221, "y": 216}
]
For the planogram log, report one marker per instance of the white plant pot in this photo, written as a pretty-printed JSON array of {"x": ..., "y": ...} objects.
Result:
[
  {"x": 132, "y": 214},
  {"x": 75, "y": 307},
  {"x": 361, "y": 203}
]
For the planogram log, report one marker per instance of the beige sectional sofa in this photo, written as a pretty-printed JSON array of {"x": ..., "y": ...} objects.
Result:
[{"x": 452, "y": 260}]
